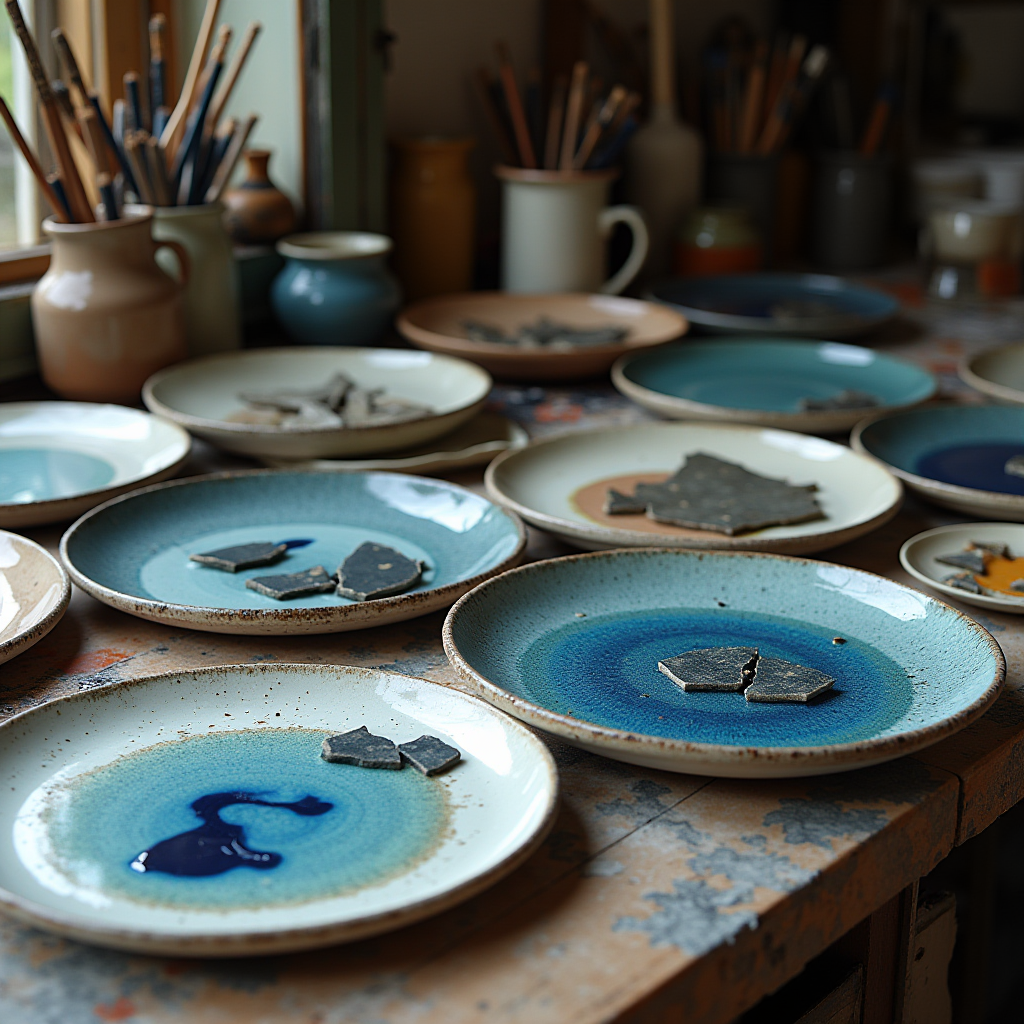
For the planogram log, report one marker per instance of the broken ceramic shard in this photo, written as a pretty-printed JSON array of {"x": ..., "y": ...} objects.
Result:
[
  {"x": 963, "y": 581},
  {"x": 429, "y": 755},
  {"x": 241, "y": 556},
  {"x": 546, "y": 333},
  {"x": 1017, "y": 585},
  {"x": 719, "y": 669},
  {"x": 375, "y": 570},
  {"x": 784, "y": 682},
  {"x": 286, "y": 586},
  {"x": 361, "y": 748},
  {"x": 993, "y": 547},
  {"x": 1015, "y": 466},
  {"x": 616, "y": 504},
  {"x": 846, "y": 399},
  {"x": 972, "y": 561}
]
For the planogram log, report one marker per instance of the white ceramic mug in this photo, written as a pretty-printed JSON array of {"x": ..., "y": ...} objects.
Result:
[{"x": 555, "y": 230}]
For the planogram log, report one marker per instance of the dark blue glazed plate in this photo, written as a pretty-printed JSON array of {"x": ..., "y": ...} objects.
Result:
[{"x": 572, "y": 646}]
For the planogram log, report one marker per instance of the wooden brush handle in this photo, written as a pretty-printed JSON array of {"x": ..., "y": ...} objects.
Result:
[
  {"x": 237, "y": 63},
  {"x": 30, "y": 158},
  {"x": 176, "y": 123}
]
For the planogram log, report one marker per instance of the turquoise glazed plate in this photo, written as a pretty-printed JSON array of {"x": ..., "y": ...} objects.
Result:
[
  {"x": 191, "y": 814},
  {"x": 953, "y": 455},
  {"x": 133, "y": 553},
  {"x": 572, "y": 645},
  {"x": 764, "y": 382},
  {"x": 59, "y": 459}
]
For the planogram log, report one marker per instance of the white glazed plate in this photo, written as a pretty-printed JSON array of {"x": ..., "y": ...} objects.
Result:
[
  {"x": 558, "y": 484},
  {"x": 60, "y": 459},
  {"x": 91, "y": 781},
  {"x": 34, "y": 594}
]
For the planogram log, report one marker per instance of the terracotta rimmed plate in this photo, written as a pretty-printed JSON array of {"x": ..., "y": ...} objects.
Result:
[
  {"x": 34, "y": 594},
  {"x": 571, "y": 646},
  {"x": 133, "y": 553},
  {"x": 202, "y": 395},
  {"x": 58, "y": 459},
  {"x": 998, "y": 373},
  {"x": 76, "y": 811},
  {"x": 918, "y": 556},
  {"x": 763, "y": 381},
  {"x": 437, "y": 324},
  {"x": 559, "y": 484}
]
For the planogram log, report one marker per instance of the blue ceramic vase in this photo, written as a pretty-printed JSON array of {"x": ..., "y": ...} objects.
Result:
[{"x": 335, "y": 288}]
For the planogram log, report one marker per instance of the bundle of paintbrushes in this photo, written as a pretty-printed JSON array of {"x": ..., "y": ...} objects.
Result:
[
  {"x": 584, "y": 128},
  {"x": 163, "y": 157}
]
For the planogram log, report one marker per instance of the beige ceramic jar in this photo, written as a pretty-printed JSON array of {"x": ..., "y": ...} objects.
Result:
[{"x": 105, "y": 315}]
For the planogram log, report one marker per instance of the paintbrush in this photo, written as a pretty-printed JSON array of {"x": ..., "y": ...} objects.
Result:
[
  {"x": 520, "y": 128},
  {"x": 93, "y": 138},
  {"x": 175, "y": 129},
  {"x": 793, "y": 101},
  {"x": 534, "y": 104},
  {"x": 158, "y": 172},
  {"x": 67, "y": 108},
  {"x": 486, "y": 91},
  {"x": 227, "y": 165},
  {"x": 556, "y": 112},
  {"x": 157, "y": 74},
  {"x": 52, "y": 197},
  {"x": 105, "y": 185},
  {"x": 53, "y": 180},
  {"x": 134, "y": 117},
  {"x": 218, "y": 147},
  {"x": 135, "y": 148},
  {"x": 754, "y": 97},
  {"x": 776, "y": 74},
  {"x": 874, "y": 131},
  {"x": 598, "y": 126},
  {"x": 573, "y": 113},
  {"x": 234, "y": 70}
]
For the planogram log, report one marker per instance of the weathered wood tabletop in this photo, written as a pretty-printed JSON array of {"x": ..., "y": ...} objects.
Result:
[{"x": 656, "y": 897}]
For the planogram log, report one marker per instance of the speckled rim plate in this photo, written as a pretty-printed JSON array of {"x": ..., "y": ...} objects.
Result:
[
  {"x": 508, "y": 614},
  {"x": 918, "y": 555},
  {"x": 34, "y": 594},
  {"x": 136, "y": 448},
  {"x": 538, "y": 483},
  {"x": 102, "y": 545},
  {"x": 501, "y": 798},
  {"x": 988, "y": 371}
]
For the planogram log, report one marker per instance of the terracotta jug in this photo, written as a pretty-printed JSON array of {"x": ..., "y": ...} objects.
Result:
[
  {"x": 433, "y": 216},
  {"x": 105, "y": 315},
  {"x": 258, "y": 212}
]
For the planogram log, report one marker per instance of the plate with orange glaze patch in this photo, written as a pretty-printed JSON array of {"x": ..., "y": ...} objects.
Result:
[{"x": 562, "y": 484}]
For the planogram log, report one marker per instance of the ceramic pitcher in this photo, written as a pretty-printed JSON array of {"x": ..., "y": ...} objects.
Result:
[
  {"x": 105, "y": 315},
  {"x": 555, "y": 230}
]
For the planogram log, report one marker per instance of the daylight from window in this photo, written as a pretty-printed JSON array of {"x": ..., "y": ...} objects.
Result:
[{"x": 8, "y": 227}]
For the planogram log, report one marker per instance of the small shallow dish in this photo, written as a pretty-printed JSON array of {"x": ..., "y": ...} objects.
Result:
[
  {"x": 202, "y": 393},
  {"x": 133, "y": 553},
  {"x": 76, "y": 812},
  {"x": 437, "y": 324},
  {"x": 952, "y": 455},
  {"x": 805, "y": 305},
  {"x": 918, "y": 556},
  {"x": 34, "y": 594},
  {"x": 58, "y": 459},
  {"x": 762, "y": 381},
  {"x": 558, "y": 484},
  {"x": 998, "y": 373},
  {"x": 571, "y": 646}
]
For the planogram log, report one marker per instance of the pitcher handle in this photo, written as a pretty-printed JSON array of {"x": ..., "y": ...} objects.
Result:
[
  {"x": 181, "y": 252},
  {"x": 634, "y": 219}
]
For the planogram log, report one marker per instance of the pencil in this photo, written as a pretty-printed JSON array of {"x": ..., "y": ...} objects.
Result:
[
  {"x": 573, "y": 112},
  {"x": 515, "y": 108},
  {"x": 52, "y": 197}
]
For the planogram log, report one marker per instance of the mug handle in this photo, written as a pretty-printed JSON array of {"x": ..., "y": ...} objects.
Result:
[
  {"x": 632, "y": 217},
  {"x": 182, "y": 253}
]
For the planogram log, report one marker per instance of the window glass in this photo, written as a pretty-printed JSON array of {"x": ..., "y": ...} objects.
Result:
[{"x": 8, "y": 225}]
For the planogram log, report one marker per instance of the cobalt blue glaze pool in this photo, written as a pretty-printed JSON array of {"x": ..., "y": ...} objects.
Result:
[{"x": 980, "y": 466}]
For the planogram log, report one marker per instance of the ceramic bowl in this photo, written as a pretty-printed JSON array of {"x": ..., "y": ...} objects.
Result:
[
  {"x": 202, "y": 393},
  {"x": 998, "y": 373},
  {"x": 558, "y": 484},
  {"x": 952, "y": 455},
  {"x": 805, "y": 305},
  {"x": 133, "y": 553},
  {"x": 34, "y": 594},
  {"x": 437, "y": 324},
  {"x": 58, "y": 459},
  {"x": 918, "y": 556},
  {"x": 571, "y": 646},
  {"x": 419, "y": 845},
  {"x": 762, "y": 381}
]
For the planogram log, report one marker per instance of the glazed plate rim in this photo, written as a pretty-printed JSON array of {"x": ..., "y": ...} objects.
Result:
[
  {"x": 985, "y": 385},
  {"x": 729, "y": 760},
  {"x": 277, "y": 940},
  {"x": 26, "y": 638}
]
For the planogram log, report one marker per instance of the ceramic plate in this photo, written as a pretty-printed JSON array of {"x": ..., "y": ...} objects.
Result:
[
  {"x": 559, "y": 485},
  {"x": 474, "y": 444},
  {"x": 202, "y": 394},
  {"x": 953, "y": 455},
  {"x": 571, "y": 646},
  {"x": 762, "y": 381},
  {"x": 34, "y": 594},
  {"x": 919, "y": 556},
  {"x": 808, "y": 305},
  {"x": 998, "y": 373},
  {"x": 92, "y": 781},
  {"x": 133, "y": 553},
  {"x": 438, "y": 325},
  {"x": 58, "y": 459}
]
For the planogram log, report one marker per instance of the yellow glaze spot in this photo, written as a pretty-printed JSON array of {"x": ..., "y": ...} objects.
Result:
[{"x": 1000, "y": 573}]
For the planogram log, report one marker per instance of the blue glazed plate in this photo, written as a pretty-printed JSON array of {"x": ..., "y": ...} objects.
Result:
[
  {"x": 133, "y": 552},
  {"x": 324, "y": 853},
  {"x": 953, "y": 455},
  {"x": 571, "y": 646},
  {"x": 762, "y": 381},
  {"x": 807, "y": 305}
]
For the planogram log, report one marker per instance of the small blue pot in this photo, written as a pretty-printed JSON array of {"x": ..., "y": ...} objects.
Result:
[{"x": 335, "y": 288}]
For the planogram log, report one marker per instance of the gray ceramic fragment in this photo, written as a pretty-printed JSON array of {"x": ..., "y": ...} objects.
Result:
[
  {"x": 963, "y": 581},
  {"x": 361, "y": 748},
  {"x": 972, "y": 561},
  {"x": 241, "y": 556},
  {"x": 617, "y": 504},
  {"x": 374, "y": 570},
  {"x": 847, "y": 399},
  {"x": 719, "y": 669},
  {"x": 546, "y": 333},
  {"x": 784, "y": 682},
  {"x": 993, "y": 547},
  {"x": 429, "y": 755},
  {"x": 1017, "y": 585},
  {"x": 290, "y": 585},
  {"x": 1015, "y": 466}
]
